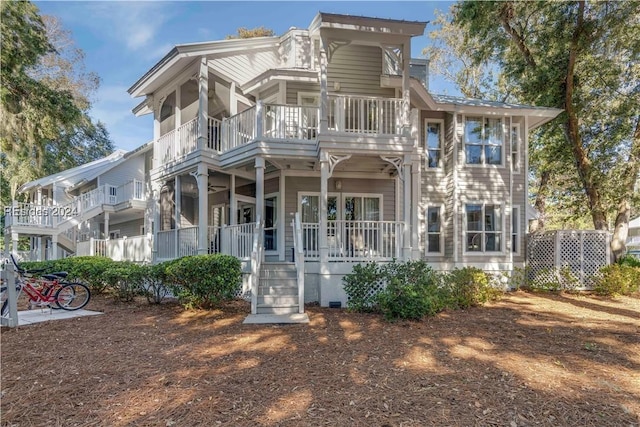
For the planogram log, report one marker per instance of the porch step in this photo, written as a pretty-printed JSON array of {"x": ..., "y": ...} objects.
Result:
[
  {"x": 277, "y": 309},
  {"x": 277, "y": 300},
  {"x": 284, "y": 290}
]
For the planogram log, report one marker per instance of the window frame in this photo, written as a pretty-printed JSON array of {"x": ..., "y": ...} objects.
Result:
[
  {"x": 483, "y": 232},
  {"x": 483, "y": 141},
  {"x": 516, "y": 167},
  {"x": 276, "y": 222},
  {"x": 440, "y": 232},
  {"x": 440, "y": 165},
  {"x": 515, "y": 231}
]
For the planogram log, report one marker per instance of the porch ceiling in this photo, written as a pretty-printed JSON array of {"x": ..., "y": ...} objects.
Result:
[{"x": 356, "y": 164}]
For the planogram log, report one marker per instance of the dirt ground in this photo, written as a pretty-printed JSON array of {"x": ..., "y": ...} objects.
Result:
[{"x": 551, "y": 360}]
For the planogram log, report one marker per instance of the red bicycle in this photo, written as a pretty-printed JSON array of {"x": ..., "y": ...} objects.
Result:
[{"x": 48, "y": 290}]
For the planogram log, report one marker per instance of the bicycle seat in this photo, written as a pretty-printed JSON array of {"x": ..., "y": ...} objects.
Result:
[
  {"x": 60, "y": 274},
  {"x": 50, "y": 277}
]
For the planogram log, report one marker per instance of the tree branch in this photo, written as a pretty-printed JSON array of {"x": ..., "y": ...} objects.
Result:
[{"x": 506, "y": 13}]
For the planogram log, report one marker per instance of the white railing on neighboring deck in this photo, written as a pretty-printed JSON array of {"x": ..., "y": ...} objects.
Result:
[
  {"x": 132, "y": 190},
  {"x": 310, "y": 237},
  {"x": 135, "y": 248},
  {"x": 299, "y": 259},
  {"x": 257, "y": 251},
  {"x": 365, "y": 115},
  {"x": 188, "y": 241},
  {"x": 166, "y": 244},
  {"x": 28, "y": 214}
]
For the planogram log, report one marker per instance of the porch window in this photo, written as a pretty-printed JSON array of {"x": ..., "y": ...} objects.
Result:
[
  {"x": 310, "y": 217},
  {"x": 362, "y": 208},
  {"x": 515, "y": 148},
  {"x": 515, "y": 230},
  {"x": 483, "y": 140},
  {"x": 433, "y": 143},
  {"x": 434, "y": 229},
  {"x": 484, "y": 228}
]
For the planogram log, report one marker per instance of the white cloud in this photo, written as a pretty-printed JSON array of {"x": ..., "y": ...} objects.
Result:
[{"x": 134, "y": 24}]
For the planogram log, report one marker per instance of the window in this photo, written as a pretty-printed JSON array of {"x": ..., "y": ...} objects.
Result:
[
  {"x": 483, "y": 140},
  {"x": 362, "y": 208},
  {"x": 434, "y": 229},
  {"x": 484, "y": 228},
  {"x": 433, "y": 143},
  {"x": 515, "y": 148},
  {"x": 515, "y": 230}
]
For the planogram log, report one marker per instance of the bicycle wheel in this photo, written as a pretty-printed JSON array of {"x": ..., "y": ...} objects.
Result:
[
  {"x": 51, "y": 291},
  {"x": 72, "y": 296}
]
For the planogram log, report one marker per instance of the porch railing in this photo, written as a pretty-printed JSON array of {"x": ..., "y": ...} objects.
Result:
[
  {"x": 239, "y": 129},
  {"x": 290, "y": 122},
  {"x": 354, "y": 240},
  {"x": 214, "y": 240},
  {"x": 187, "y": 241},
  {"x": 166, "y": 244},
  {"x": 365, "y": 115},
  {"x": 239, "y": 238},
  {"x": 132, "y": 190},
  {"x": 184, "y": 140}
]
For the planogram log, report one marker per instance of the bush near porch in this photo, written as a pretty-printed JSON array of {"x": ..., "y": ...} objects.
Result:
[
  {"x": 197, "y": 281},
  {"x": 412, "y": 290}
]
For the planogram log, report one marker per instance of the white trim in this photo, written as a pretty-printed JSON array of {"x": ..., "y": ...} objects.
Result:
[
  {"x": 310, "y": 95},
  {"x": 317, "y": 194},
  {"x": 275, "y": 195},
  {"x": 223, "y": 216},
  {"x": 282, "y": 219},
  {"x": 115, "y": 233},
  {"x": 483, "y": 163},
  {"x": 441, "y": 145},
  {"x": 482, "y": 232},
  {"x": 441, "y": 207},
  {"x": 369, "y": 195}
]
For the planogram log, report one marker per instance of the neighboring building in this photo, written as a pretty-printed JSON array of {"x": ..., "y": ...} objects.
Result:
[
  {"x": 334, "y": 123},
  {"x": 633, "y": 241}
]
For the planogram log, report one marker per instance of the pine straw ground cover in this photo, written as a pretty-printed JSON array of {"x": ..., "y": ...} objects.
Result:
[{"x": 552, "y": 360}]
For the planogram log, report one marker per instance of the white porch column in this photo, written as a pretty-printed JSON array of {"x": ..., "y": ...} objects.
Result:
[
  {"x": 406, "y": 82},
  {"x": 415, "y": 204},
  {"x": 106, "y": 225},
  {"x": 323, "y": 244},
  {"x": 324, "y": 100},
  {"x": 233, "y": 101},
  {"x": 156, "y": 192},
  {"x": 282, "y": 220},
  {"x": 203, "y": 104},
  {"x": 177, "y": 195},
  {"x": 203, "y": 211},
  {"x": 54, "y": 246},
  {"x": 39, "y": 196},
  {"x": 260, "y": 188},
  {"x": 406, "y": 203},
  {"x": 156, "y": 129},
  {"x": 14, "y": 243}
]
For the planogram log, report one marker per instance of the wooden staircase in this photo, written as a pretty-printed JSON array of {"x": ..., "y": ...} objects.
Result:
[{"x": 277, "y": 288}]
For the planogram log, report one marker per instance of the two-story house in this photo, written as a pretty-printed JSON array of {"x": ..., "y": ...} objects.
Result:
[{"x": 333, "y": 126}]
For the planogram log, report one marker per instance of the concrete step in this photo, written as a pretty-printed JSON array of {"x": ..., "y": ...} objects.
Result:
[
  {"x": 277, "y": 300},
  {"x": 277, "y": 309},
  {"x": 277, "y": 281},
  {"x": 278, "y": 290}
]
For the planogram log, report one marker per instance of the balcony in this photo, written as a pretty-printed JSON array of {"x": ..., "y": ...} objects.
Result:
[
  {"x": 346, "y": 115},
  {"x": 33, "y": 215}
]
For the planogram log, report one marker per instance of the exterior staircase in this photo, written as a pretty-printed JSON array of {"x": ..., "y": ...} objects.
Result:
[{"x": 277, "y": 288}]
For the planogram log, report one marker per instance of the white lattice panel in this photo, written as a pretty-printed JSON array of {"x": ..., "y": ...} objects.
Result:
[{"x": 568, "y": 258}]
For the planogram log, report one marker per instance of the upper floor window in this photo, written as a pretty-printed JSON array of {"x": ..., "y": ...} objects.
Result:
[
  {"x": 483, "y": 138},
  {"x": 515, "y": 148},
  {"x": 434, "y": 230},
  {"x": 484, "y": 228},
  {"x": 433, "y": 142}
]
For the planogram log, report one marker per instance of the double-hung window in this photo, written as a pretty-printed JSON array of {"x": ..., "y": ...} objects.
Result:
[
  {"x": 483, "y": 138},
  {"x": 515, "y": 148},
  {"x": 515, "y": 230},
  {"x": 434, "y": 230},
  {"x": 433, "y": 142},
  {"x": 483, "y": 228}
]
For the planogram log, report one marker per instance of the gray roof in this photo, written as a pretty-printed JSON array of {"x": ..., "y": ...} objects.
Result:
[{"x": 470, "y": 102}]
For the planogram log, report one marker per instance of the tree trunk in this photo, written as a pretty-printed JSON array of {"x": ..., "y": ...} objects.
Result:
[
  {"x": 621, "y": 231},
  {"x": 541, "y": 203}
]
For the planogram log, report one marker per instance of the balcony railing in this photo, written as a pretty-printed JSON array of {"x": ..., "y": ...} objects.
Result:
[
  {"x": 355, "y": 240},
  {"x": 29, "y": 214},
  {"x": 135, "y": 248},
  {"x": 346, "y": 114}
]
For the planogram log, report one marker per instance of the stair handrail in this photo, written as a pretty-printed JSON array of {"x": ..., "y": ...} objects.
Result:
[
  {"x": 298, "y": 249},
  {"x": 256, "y": 262}
]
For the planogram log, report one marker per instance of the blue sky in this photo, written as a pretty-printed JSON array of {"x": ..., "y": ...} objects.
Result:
[{"x": 123, "y": 39}]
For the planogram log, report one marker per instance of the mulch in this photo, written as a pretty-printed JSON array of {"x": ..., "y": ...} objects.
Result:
[{"x": 527, "y": 360}]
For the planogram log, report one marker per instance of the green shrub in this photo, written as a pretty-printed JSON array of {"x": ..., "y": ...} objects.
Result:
[
  {"x": 412, "y": 291},
  {"x": 617, "y": 279},
  {"x": 87, "y": 269},
  {"x": 629, "y": 260},
  {"x": 125, "y": 279},
  {"x": 156, "y": 284},
  {"x": 468, "y": 287},
  {"x": 362, "y": 287},
  {"x": 204, "y": 280}
]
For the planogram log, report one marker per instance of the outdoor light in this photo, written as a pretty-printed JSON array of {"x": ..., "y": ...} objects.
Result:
[{"x": 338, "y": 185}]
